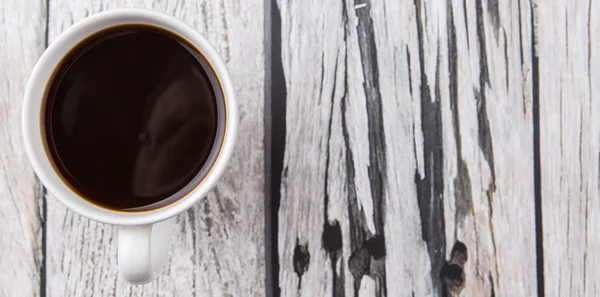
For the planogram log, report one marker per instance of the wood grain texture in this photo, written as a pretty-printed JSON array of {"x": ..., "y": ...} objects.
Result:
[
  {"x": 22, "y": 41},
  {"x": 218, "y": 246},
  {"x": 408, "y": 128},
  {"x": 568, "y": 39}
]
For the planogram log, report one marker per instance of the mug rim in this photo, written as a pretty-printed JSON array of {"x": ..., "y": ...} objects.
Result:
[{"x": 34, "y": 99}]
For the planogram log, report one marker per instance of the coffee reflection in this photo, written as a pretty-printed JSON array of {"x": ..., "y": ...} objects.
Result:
[{"x": 174, "y": 133}]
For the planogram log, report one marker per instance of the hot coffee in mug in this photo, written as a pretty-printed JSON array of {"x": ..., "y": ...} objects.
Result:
[{"x": 129, "y": 118}]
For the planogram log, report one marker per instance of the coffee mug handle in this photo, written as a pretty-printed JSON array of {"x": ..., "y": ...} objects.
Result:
[{"x": 143, "y": 250}]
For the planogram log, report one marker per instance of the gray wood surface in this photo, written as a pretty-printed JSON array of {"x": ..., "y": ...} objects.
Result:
[
  {"x": 408, "y": 128},
  {"x": 22, "y": 31},
  {"x": 569, "y": 37},
  {"x": 406, "y": 146}
]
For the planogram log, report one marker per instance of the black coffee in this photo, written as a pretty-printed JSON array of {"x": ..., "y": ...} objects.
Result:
[{"x": 131, "y": 117}]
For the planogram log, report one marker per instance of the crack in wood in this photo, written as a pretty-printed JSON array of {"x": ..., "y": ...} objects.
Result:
[
  {"x": 491, "y": 280},
  {"x": 589, "y": 57},
  {"x": 359, "y": 262},
  {"x": 322, "y": 76},
  {"x": 331, "y": 237},
  {"x": 483, "y": 125},
  {"x": 484, "y": 135},
  {"x": 484, "y": 76},
  {"x": 520, "y": 32},
  {"x": 355, "y": 214},
  {"x": 191, "y": 214},
  {"x": 539, "y": 230},
  {"x": 493, "y": 11},
  {"x": 430, "y": 186},
  {"x": 506, "y": 60},
  {"x": 567, "y": 52},
  {"x": 375, "y": 245},
  {"x": 207, "y": 215},
  {"x": 462, "y": 181},
  {"x": 492, "y": 233},
  {"x": 278, "y": 111},
  {"x": 521, "y": 40},
  {"x": 43, "y": 215},
  {"x": 47, "y": 33},
  {"x": 226, "y": 54},
  {"x": 589, "y": 68},
  {"x": 410, "y": 88},
  {"x": 42, "y": 191},
  {"x": 466, "y": 22}
]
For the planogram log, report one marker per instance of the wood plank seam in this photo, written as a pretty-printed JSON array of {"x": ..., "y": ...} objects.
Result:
[
  {"x": 277, "y": 106},
  {"x": 539, "y": 228},
  {"x": 42, "y": 194}
]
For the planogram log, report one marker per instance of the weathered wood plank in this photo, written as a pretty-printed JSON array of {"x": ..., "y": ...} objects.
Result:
[
  {"x": 408, "y": 128},
  {"x": 493, "y": 151},
  {"x": 22, "y": 40},
  {"x": 218, "y": 247},
  {"x": 568, "y": 39}
]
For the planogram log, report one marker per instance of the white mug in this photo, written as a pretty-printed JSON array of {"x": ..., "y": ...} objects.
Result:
[{"x": 143, "y": 236}]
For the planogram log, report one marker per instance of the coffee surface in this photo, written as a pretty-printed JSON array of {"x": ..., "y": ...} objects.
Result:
[{"x": 131, "y": 117}]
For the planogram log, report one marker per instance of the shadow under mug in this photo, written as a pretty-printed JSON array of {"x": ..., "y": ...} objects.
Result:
[{"x": 144, "y": 236}]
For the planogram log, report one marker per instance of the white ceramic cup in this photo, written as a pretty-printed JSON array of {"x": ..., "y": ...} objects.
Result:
[{"x": 143, "y": 236}]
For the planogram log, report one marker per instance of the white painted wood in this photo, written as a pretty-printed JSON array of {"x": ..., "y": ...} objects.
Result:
[
  {"x": 499, "y": 229},
  {"x": 218, "y": 247},
  {"x": 22, "y": 31},
  {"x": 376, "y": 90},
  {"x": 569, "y": 35}
]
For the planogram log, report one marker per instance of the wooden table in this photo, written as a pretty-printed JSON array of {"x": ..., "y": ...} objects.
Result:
[{"x": 374, "y": 136}]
